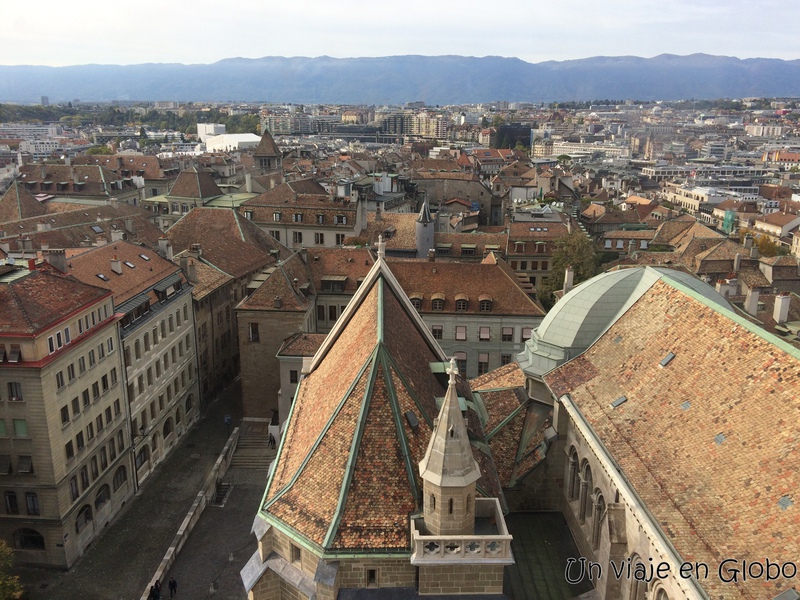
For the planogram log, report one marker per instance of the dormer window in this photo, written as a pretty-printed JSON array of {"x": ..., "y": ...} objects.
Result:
[
  {"x": 462, "y": 302},
  {"x": 437, "y": 301},
  {"x": 485, "y": 303},
  {"x": 297, "y": 217},
  {"x": 276, "y": 216},
  {"x": 341, "y": 220},
  {"x": 416, "y": 300}
]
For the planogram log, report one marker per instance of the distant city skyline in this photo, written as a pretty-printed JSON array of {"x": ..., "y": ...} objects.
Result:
[{"x": 43, "y": 32}]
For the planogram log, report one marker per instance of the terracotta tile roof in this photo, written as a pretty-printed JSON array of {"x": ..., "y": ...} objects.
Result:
[
  {"x": 353, "y": 263},
  {"x": 127, "y": 165},
  {"x": 402, "y": 237},
  {"x": 507, "y": 376},
  {"x": 144, "y": 274},
  {"x": 720, "y": 478},
  {"x": 18, "y": 203},
  {"x": 267, "y": 147},
  {"x": 85, "y": 226},
  {"x": 301, "y": 344},
  {"x": 209, "y": 279},
  {"x": 451, "y": 176},
  {"x": 194, "y": 184},
  {"x": 280, "y": 292},
  {"x": 72, "y": 180},
  {"x": 41, "y": 299},
  {"x": 434, "y": 165},
  {"x": 621, "y": 234},
  {"x": 346, "y": 477},
  {"x": 474, "y": 280},
  {"x": 228, "y": 241}
]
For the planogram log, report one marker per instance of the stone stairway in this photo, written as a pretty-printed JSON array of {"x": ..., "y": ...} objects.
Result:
[{"x": 253, "y": 452}]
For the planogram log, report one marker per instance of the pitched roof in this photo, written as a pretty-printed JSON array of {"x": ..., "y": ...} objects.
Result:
[
  {"x": 280, "y": 292},
  {"x": 194, "y": 184},
  {"x": 267, "y": 146},
  {"x": 720, "y": 478},
  {"x": 228, "y": 241},
  {"x": 18, "y": 203},
  {"x": 41, "y": 299},
  {"x": 345, "y": 479},
  {"x": 137, "y": 274}
]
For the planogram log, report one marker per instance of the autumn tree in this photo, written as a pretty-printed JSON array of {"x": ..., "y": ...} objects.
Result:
[
  {"x": 575, "y": 250},
  {"x": 10, "y": 587}
]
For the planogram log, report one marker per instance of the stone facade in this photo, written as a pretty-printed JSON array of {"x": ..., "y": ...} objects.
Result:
[{"x": 461, "y": 579}]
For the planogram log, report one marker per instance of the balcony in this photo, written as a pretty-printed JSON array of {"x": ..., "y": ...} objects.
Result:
[{"x": 490, "y": 544}]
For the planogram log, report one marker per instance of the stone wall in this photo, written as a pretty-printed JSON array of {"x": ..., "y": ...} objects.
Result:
[{"x": 461, "y": 579}]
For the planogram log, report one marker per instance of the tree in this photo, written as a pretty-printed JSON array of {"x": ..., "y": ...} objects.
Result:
[
  {"x": 99, "y": 150},
  {"x": 10, "y": 586},
  {"x": 498, "y": 120},
  {"x": 576, "y": 250}
]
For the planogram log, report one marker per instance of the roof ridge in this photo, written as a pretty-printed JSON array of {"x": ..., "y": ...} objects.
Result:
[
  {"x": 266, "y": 503},
  {"x": 355, "y": 446}
]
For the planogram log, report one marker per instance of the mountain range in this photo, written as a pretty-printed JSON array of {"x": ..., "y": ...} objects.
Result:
[{"x": 400, "y": 79}]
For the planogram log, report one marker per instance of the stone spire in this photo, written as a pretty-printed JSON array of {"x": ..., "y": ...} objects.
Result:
[
  {"x": 448, "y": 461},
  {"x": 425, "y": 213}
]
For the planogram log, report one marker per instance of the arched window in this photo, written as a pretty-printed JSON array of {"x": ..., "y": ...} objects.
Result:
[
  {"x": 437, "y": 304},
  {"x": 137, "y": 350},
  {"x": 461, "y": 305},
  {"x": 662, "y": 595},
  {"x": 573, "y": 476},
  {"x": 120, "y": 477},
  {"x": 28, "y": 539},
  {"x": 485, "y": 306},
  {"x": 416, "y": 303},
  {"x": 142, "y": 456},
  {"x": 597, "y": 519},
  {"x": 189, "y": 402},
  {"x": 178, "y": 415},
  {"x": 586, "y": 496},
  {"x": 638, "y": 589},
  {"x": 84, "y": 518},
  {"x": 167, "y": 428},
  {"x": 450, "y": 506},
  {"x": 103, "y": 496}
]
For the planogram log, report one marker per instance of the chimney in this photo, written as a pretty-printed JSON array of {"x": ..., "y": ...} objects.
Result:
[
  {"x": 44, "y": 246},
  {"x": 43, "y": 226},
  {"x": 195, "y": 251},
  {"x": 43, "y": 171},
  {"x": 631, "y": 246},
  {"x": 748, "y": 241},
  {"x": 184, "y": 264},
  {"x": 754, "y": 252},
  {"x": 781, "y": 312},
  {"x": 31, "y": 264},
  {"x": 75, "y": 178},
  {"x": 56, "y": 259},
  {"x": 116, "y": 265},
  {"x": 248, "y": 183},
  {"x": 569, "y": 279},
  {"x": 304, "y": 255},
  {"x": 129, "y": 226},
  {"x": 27, "y": 244},
  {"x": 191, "y": 273},
  {"x": 117, "y": 235},
  {"x": 378, "y": 213},
  {"x": 100, "y": 240},
  {"x": 737, "y": 262},
  {"x": 68, "y": 161},
  {"x": 165, "y": 248},
  {"x": 751, "y": 302},
  {"x": 432, "y": 254}
]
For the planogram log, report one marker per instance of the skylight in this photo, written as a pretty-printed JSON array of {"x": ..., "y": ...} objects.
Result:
[
  {"x": 667, "y": 359},
  {"x": 619, "y": 401},
  {"x": 144, "y": 256},
  {"x": 129, "y": 264},
  {"x": 97, "y": 229},
  {"x": 103, "y": 277}
]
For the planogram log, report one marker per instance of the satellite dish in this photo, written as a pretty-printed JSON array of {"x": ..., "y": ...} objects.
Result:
[{"x": 11, "y": 260}]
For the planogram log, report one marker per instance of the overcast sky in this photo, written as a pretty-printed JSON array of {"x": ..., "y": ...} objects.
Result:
[{"x": 46, "y": 32}]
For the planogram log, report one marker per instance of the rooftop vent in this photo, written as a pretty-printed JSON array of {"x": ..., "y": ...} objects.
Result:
[
  {"x": 719, "y": 438},
  {"x": 413, "y": 422},
  {"x": 667, "y": 359}
]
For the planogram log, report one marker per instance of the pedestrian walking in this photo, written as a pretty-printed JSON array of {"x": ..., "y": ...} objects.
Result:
[
  {"x": 271, "y": 441},
  {"x": 158, "y": 589},
  {"x": 153, "y": 595},
  {"x": 173, "y": 587}
]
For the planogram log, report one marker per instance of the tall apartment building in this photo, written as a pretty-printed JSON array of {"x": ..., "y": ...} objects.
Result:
[
  {"x": 157, "y": 334},
  {"x": 64, "y": 460}
]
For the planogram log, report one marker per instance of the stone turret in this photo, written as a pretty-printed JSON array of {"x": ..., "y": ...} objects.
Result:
[{"x": 449, "y": 471}]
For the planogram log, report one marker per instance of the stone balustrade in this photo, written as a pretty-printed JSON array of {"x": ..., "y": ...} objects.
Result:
[{"x": 465, "y": 549}]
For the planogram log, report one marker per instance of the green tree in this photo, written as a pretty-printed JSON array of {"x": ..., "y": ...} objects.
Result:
[
  {"x": 99, "y": 150},
  {"x": 576, "y": 250},
  {"x": 10, "y": 586},
  {"x": 498, "y": 120}
]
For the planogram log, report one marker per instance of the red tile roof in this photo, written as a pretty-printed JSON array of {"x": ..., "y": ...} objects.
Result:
[{"x": 720, "y": 478}]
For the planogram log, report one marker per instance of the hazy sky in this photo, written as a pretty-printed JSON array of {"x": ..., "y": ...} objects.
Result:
[{"x": 46, "y": 32}]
